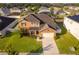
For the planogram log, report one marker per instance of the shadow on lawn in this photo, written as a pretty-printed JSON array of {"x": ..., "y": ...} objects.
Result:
[
  {"x": 38, "y": 51},
  {"x": 63, "y": 29},
  {"x": 8, "y": 34}
]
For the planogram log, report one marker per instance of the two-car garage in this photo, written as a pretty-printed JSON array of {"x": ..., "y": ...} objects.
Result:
[
  {"x": 48, "y": 35},
  {"x": 49, "y": 45},
  {"x": 47, "y": 32}
]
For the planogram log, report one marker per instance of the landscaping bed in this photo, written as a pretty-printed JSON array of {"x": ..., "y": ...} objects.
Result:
[
  {"x": 67, "y": 43},
  {"x": 14, "y": 42}
]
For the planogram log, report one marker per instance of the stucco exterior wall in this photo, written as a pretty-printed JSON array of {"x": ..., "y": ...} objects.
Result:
[{"x": 72, "y": 26}]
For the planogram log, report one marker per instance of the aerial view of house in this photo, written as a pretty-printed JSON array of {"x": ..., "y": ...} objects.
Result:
[
  {"x": 44, "y": 10},
  {"x": 39, "y": 29},
  {"x": 37, "y": 24}
]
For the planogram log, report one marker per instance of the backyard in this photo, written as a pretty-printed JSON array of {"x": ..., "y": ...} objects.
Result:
[
  {"x": 67, "y": 44},
  {"x": 20, "y": 44}
]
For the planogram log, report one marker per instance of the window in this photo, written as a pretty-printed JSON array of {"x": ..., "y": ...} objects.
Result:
[
  {"x": 35, "y": 24},
  {"x": 37, "y": 32},
  {"x": 32, "y": 24},
  {"x": 32, "y": 32},
  {"x": 23, "y": 24}
]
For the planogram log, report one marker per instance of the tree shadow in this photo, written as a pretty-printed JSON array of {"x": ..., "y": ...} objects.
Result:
[
  {"x": 48, "y": 47},
  {"x": 63, "y": 29},
  {"x": 8, "y": 34},
  {"x": 10, "y": 50},
  {"x": 38, "y": 51}
]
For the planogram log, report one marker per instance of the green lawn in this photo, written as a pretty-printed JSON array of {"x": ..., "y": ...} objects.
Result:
[
  {"x": 24, "y": 44},
  {"x": 65, "y": 40}
]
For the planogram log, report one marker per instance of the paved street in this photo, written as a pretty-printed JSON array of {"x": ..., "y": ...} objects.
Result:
[{"x": 49, "y": 46}]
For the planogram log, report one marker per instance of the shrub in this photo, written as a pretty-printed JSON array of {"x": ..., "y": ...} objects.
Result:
[{"x": 10, "y": 50}]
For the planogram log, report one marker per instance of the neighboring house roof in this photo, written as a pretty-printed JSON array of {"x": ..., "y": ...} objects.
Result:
[
  {"x": 26, "y": 9},
  {"x": 15, "y": 9},
  {"x": 60, "y": 12},
  {"x": 5, "y": 21},
  {"x": 14, "y": 14},
  {"x": 74, "y": 7},
  {"x": 4, "y": 10},
  {"x": 55, "y": 12},
  {"x": 75, "y": 18},
  {"x": 43, "y": 9}
]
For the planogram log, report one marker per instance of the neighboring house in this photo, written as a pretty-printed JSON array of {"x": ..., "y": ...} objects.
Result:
[
  {"x": 39, "y": 25},
  {"x": 6, "y": 24},
  {"x": 73, "y": 7},
  {"x": 15, "y": 9},
  {"x": 14, "y": 12},
  {"x": 4, "y": 11},
  {"x": 72, "y": 23},
  {"x": 25, "y": 9},
  {"x": 76, "y": 8},
  {"x": 70, "y": 12},
  {"x": 61, "y": 12},
  {"x": 14, "y": 15},
  {"x": 44, "y": 10},
  {"x": 56, "y": 10},
  {"x": 67, "y": 12}
]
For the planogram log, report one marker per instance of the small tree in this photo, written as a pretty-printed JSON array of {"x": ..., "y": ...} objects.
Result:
[{"x": 23, "y": 31}]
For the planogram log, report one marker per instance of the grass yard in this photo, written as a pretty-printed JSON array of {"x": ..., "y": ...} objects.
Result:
[
  {"x": 65, "y": 40},
  {"x": 24, "y": 44}
]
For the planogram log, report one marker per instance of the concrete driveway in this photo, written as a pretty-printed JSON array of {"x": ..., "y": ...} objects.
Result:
[{"x": 49, "y": 46}]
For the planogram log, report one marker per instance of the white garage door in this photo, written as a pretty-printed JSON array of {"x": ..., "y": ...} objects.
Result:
[{"x": 48, "y": 35}]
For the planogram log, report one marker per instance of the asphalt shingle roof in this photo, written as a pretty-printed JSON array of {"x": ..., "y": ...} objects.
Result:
[
  {"x": 5, "y": 10},
  {"x": 32, "y": 18},
  {"x": 5, "y": 21},
  {"x": 46, "y": 19}
]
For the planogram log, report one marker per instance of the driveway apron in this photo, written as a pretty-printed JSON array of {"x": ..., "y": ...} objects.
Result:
[{"x": 49, "y": 46}]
